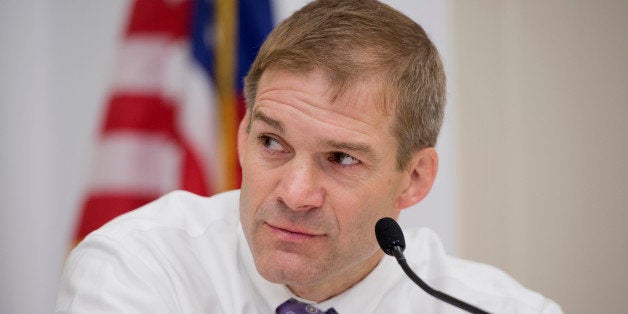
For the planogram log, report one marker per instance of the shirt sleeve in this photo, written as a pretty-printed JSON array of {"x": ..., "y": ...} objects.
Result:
[
  {"x": 101, "y": 276},
  {"x": 552, "y": 307}
]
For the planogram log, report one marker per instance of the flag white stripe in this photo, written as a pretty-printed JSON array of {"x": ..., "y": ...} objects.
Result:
[
  {"x": 132, "y": 162},
  {"x": 199, "y": 121},
  {"x": 151, "y": 64}
]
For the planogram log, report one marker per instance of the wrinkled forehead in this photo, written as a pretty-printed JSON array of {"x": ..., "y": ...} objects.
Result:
[
  {"x": 307, "y": 91},
  {"x": 347, "y": 92}
]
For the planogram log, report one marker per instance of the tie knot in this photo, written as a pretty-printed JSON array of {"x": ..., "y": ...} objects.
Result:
[{"x": 293, "y": 306}]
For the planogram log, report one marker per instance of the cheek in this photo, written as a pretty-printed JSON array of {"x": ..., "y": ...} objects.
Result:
[
  {"x": 256, "y": 188},
  {"x": 253, "y": 173},
  {"x": 357, "y": 213},
  {"x": 356, "y": 217},
  {"x": 253, "y": 189},
  {"x": 356, "y": 241},
  {"x": 245, "y": 207}
]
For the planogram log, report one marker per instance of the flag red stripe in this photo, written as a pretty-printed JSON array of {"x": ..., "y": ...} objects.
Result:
[
  {"x": 140, "y": 112},
  {"x": 100, "y": 208},
  {"x": 192, "y": 172},
  {"x": 170, "y": 18}
]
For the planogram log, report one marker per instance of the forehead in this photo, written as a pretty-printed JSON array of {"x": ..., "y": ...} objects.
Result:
[{"x": 313, "y": 92}]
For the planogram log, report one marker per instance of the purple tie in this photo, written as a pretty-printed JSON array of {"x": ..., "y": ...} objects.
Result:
[{"x": 293, "y": 306}]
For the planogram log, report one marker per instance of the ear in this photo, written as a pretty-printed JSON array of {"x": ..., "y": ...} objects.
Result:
[
  {"x": 422, "y": 173},
  {"x": 243, "y": 135}
]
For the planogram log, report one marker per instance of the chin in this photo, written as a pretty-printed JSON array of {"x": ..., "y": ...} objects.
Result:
[{"x": 287, "y": 268}]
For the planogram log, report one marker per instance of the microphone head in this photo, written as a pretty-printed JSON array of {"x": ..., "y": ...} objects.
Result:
[{"x": 389, "y": 235}]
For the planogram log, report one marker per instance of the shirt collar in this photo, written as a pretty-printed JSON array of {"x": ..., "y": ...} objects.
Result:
[{"x": 365, "y": 295}]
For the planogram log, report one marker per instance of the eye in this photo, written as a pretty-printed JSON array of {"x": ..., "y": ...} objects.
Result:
[
  {"x": 343, "y": 159},
  {"x": 271, "y": 144}
]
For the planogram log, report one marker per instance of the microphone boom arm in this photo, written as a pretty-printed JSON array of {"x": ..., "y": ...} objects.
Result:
[{"x": 397, "y": 251}]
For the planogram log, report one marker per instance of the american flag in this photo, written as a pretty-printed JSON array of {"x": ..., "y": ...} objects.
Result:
[{"x": 174, "y": 104}]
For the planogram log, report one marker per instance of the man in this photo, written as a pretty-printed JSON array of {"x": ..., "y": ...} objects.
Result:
[{"x": 344, "y": 104}]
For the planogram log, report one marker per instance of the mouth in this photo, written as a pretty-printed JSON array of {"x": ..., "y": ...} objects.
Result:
[{"x": 292, "y": 233}]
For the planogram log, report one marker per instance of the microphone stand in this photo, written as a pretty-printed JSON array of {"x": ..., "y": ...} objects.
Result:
[{"x": 397, "y": 251}]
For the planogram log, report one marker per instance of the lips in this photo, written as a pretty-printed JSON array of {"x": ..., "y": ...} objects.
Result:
[{"x": 292, "y": 232}]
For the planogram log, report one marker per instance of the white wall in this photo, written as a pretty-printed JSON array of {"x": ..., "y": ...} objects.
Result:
[
  {"x": 21, "y": 169},
  {"x": 542, "y": 89},
  {"x": 54, "y": 68},
  {"x": 54, "y": 72}
]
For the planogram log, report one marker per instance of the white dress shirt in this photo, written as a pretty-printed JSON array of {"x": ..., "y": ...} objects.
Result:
[{"x": 187, "y": 254}]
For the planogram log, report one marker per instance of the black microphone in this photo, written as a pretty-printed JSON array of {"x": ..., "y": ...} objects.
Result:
[{"x": 391, "y": 240}]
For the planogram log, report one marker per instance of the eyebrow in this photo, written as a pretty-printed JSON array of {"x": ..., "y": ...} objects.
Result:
[
  {"x": 276, "y": 124},
  {"x": 353, "y": 147}
]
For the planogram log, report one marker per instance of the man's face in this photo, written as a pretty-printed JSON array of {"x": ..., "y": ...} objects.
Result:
[{"x": 316, "y": 178}]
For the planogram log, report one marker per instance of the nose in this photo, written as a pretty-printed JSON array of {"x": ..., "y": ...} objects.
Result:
[{"x": 300, "y": 188}]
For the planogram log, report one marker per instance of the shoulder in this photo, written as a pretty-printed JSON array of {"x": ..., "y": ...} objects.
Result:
[
  {"x": 483, "y": 285},
  {"x": 177, "y": 211},
  {"x": 176, "y": 225},
  {"x": 169, "y": 256}
]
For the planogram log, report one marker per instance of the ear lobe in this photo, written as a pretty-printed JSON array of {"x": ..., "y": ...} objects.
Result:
[
  {"x": 243, "y": 135},
  {"x": 423, "y": 168}
]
